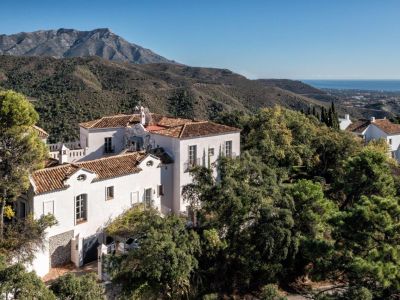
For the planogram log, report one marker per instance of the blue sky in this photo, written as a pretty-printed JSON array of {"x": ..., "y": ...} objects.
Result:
[{"x": 299, "y": 39}]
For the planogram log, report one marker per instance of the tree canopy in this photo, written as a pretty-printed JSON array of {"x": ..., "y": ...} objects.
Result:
[
  {"x": 163, "y": 262},
  {"x": 21, "y": 151}
]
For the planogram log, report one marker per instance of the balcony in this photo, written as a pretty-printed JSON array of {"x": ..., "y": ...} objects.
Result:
[{"x": 189, "y": 165}]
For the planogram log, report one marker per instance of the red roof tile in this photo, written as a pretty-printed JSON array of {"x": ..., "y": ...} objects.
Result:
[
  {"x": 51, "y": 179},
  {"x": 387, "y": 126},
  {"x": 168, "y": 126}
]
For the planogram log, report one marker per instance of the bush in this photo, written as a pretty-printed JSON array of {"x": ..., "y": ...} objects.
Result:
[
  {"x": 270, "y": 292},
  {"x": 77, "y": 287}
]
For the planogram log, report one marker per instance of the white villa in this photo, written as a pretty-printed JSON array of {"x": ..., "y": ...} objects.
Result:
[
  {"x": 118, "y": 161},
  {"x": 344, "y": 122},
  {"x": 375, "y": 129}
]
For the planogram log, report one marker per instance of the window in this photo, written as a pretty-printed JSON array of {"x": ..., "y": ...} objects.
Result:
[
  {"x": 160, "y": 190},
  {"x": 22, "y": 210},
  {"x": 108, "y": 145},
  {"x": 210, "y": 151},
  {"x": 134, "y": 198},
  {"x": 390, "y": 141},
  {"x": 228, "y": 148},
  {"x": 81, "y": 177},
  {"x": 80, "y": 208},
  {"x": 192, "y": 155},
  {"x": 109, "y": 193},
  {"x": 147, "y": 197},
  {"x": 149, "y": 163}
]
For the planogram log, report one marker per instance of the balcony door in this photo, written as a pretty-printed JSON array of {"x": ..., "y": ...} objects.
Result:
[
  {"x": 108, "y": 145},
  {"x": 148, "y": 193}
]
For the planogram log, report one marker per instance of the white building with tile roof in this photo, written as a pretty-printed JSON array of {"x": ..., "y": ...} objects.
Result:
[
  {"x": 84, "y": 198},
  {"x": 118, "y": 161},
  {"x": 375, "y": 129}
]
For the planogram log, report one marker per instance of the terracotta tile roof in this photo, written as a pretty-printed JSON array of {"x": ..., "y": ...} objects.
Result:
[
  {"x": 110, "y": 121},
  {"x": 121, "y": 120},
  {"x": 168, "y": 126},
  {"x": 154, "y": 128},
  {"x": 384, "y": 124},
  {"x": 172, "y": 122},
  {"x": 196, "y": 129},
  {"x": 114, "y": 166},
  {"x": 358, "y": 126},
  {"x": 51, "y": 162},
  {"x": 51, "y": 179},
  {"x": 41, "y": 132},
  {"x": 387, "y": 126}
]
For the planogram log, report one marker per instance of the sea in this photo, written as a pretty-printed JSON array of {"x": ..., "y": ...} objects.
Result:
[{"x": 365, "y": 85}]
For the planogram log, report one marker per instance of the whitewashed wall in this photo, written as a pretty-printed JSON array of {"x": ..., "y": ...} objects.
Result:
[
  {"x": 171, "y": 146},
  {"x": 203, "y": 144},
  {"x": 373, "y": 132},
  {"x": 99, "y": 210},
  {"x": 93, "y": 139}
]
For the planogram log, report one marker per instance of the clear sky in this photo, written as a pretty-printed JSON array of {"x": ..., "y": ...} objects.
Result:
[{"x": 299, "y": 39}]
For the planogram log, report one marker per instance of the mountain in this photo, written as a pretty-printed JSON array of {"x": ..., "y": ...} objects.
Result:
[
  {"x": 71, "y": 90},
  {"x": 64, "y": 43}
]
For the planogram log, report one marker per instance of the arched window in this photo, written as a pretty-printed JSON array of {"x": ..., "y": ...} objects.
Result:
[{"x": 80, "y": 208}]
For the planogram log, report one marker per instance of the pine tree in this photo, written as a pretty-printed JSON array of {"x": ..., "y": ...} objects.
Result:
[{"x": 21, "y": 151}]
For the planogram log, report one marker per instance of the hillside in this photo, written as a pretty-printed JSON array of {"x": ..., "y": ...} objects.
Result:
[
  {"x": 63, "y": 43},
  {"x": 68, "y": 91}
]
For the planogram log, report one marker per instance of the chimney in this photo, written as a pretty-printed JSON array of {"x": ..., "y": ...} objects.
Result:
[
  {"x": 347, "y": 117},
  {"x": 372, "y": 119},
  {"x": 63, "y": 155},
  {"x": 142, "y": 116}
]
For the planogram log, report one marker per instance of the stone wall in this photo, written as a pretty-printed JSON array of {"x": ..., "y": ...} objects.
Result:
[{"x": 60, "y": 248}]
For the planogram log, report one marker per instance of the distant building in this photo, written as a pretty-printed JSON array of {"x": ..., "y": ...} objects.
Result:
[
  {"x": 344, "y": 122},
  {"x": 119, "y": 161},
  {"x": 374, "y": 129}
]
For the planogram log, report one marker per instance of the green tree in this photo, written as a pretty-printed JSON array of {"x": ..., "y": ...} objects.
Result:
[
  {"x": 311, "y": 213},
  {"x": 296, "y": 145},
  {"x": 23, "y": 237},
  {"x": 164, "y": 261},
  {"x": 245, "y": 225},
  {"x": 74, "y": 287},
  {"x": 21, "y": 151},
  {"x": 17, "y": 283},
  {"x": 367, "y": 241},
  {"x": 181, "y": 103},
  {"x": 365, "y": 174}
]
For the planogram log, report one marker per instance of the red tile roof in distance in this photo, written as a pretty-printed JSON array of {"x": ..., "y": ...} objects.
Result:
[{"x": 384, "y": 124}]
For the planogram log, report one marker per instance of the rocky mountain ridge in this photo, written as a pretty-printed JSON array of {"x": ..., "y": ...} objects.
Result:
[{"x": 66, "y": 43}]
